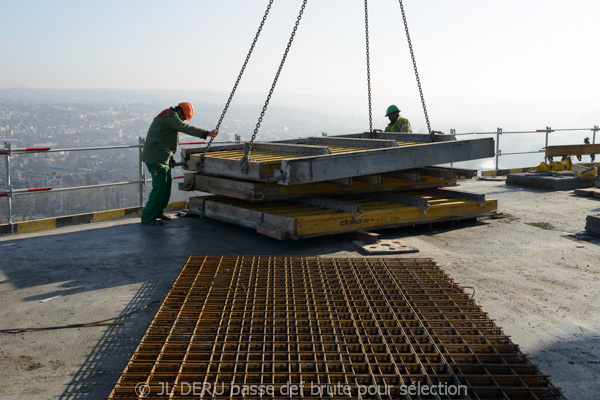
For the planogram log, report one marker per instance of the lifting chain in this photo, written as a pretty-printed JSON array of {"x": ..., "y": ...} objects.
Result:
[
  {"x": 244, "y": 165},
  {"x": 237, "y": 82},
  {"x": 412, "y": 55},
  {"x": 368, "y": 66}
]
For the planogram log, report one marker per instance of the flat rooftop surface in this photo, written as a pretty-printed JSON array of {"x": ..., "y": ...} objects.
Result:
[{"x": 540, "y": 285}]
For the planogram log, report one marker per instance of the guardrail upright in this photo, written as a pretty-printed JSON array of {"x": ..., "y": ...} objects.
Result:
[
  {"x": 498, "y": 151},
  {"x": 8, "y": 149},
  {"x": 142, "y": 174},
  {"x": 595, "y": 130},
  {"x": 548, "y": 130}
]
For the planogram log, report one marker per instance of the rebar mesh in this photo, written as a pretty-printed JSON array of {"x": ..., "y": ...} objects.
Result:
[{"x": 338, "y": 328}]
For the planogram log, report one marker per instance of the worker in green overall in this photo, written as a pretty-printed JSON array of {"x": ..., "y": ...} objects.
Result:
[
  {"x": 159, "y": 148},
  {"x": 397, "y": 123}
]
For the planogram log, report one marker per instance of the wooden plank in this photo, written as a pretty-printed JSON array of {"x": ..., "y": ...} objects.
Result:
[
  {"x": 289, "y": 148},
  {"x": 462, "y": 172},
  {"x": 584, "y": 192},
  {"x": 439, "y": 172},
  {"x": 366, "y": 237},
  {"x": 323, "y": 168},
  {"x": 369, "y": 179},
  {"x": 402, "y": 137},
  {"x": 408, "y": 176},
  {"x": 413, "y": 137},
  {"x": 353, "y": 142}
]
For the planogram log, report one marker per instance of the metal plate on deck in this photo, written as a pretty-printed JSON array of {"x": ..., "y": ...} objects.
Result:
[
  {"x": 385, "y": 246},
  {"x": 313, "y": 328}
]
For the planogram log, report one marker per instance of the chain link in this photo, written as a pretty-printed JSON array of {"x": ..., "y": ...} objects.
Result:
[
  {"x": 244, "y": 165},
  {"x": 237, "y": 82},
  {"x": 368, "y": 66},
  {"x": 412, "y": 55}
]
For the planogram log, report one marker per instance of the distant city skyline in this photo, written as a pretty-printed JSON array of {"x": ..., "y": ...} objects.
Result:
[{"x": 511, "y": 63}]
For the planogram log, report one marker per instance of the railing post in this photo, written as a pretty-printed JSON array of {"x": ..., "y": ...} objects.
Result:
[
  {"x": 453, "y": 133},
  {"x": 594, "y": 137},
  {"x": 141, "y": 175},
  {"x": 8, "y": 148},
  {"x": 498, "y": 133},
  {"x": 548, "y": 130}
]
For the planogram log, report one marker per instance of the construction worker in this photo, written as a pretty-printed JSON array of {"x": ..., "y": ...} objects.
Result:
[
  {"x": 397, "y": 123},
  {"x": 159, "y": 148},
  {"x": 592, "y": 156}
]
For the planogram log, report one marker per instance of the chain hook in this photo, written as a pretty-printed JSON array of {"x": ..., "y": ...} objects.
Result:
[
  {"x": 237, "y": 82},
  {"x": 414, "y": 61},
  {"x": 244, "y": 160},
  {"x": 368, "y": 68}
]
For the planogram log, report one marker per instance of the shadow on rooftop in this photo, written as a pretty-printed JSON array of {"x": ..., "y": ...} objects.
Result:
[
  {"x": 100, "y": 370},
  {"x": 573, "y": 366},
  {"x": 81, "y": 259}
]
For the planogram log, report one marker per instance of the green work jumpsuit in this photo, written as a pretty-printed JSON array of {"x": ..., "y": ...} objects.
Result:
[
  {"x": 159, "y": 148},
  {"x": 401, "y": 125}
]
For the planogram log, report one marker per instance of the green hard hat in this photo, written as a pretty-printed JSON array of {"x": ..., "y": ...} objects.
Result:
[{"x": 391, "y": 109}]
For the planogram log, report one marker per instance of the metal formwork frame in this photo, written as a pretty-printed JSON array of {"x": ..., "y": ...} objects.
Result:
[
  {"x": 289, "y": 168},
  {"x": 292, "y": 219}
]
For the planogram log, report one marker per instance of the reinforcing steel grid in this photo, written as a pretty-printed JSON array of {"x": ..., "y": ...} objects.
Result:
[{"x": 339, "y": 328}]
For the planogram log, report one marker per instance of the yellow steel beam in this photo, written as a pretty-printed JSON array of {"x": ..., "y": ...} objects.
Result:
[
  {"x": 572, "y": 150},
  {"x": 401, "y": 215},
  {"x": 315, "y": 221}
]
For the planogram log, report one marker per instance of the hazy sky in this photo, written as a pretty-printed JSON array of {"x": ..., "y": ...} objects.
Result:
[{"x": 500, "y": 60}]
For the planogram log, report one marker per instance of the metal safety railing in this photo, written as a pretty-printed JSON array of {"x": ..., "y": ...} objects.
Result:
[
  {"x": 10, "y": 151},
  {"x": 547, "y": 132}
]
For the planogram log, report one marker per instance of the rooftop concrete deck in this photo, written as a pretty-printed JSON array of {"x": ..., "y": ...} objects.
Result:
[{"x": 541, "y": 287}]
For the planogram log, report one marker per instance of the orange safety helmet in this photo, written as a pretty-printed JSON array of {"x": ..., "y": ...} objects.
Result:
[{"x": 188, "y": 110}]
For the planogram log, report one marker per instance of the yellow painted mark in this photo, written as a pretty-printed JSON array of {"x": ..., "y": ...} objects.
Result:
[
  {"x": 37, "y": 225},
  {"x": 108, "y": 215},
  {"x": 178, "y": 205}
]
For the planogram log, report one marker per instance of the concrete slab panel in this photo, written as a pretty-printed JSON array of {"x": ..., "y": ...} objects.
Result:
[{"x": 545, "y": 180}]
